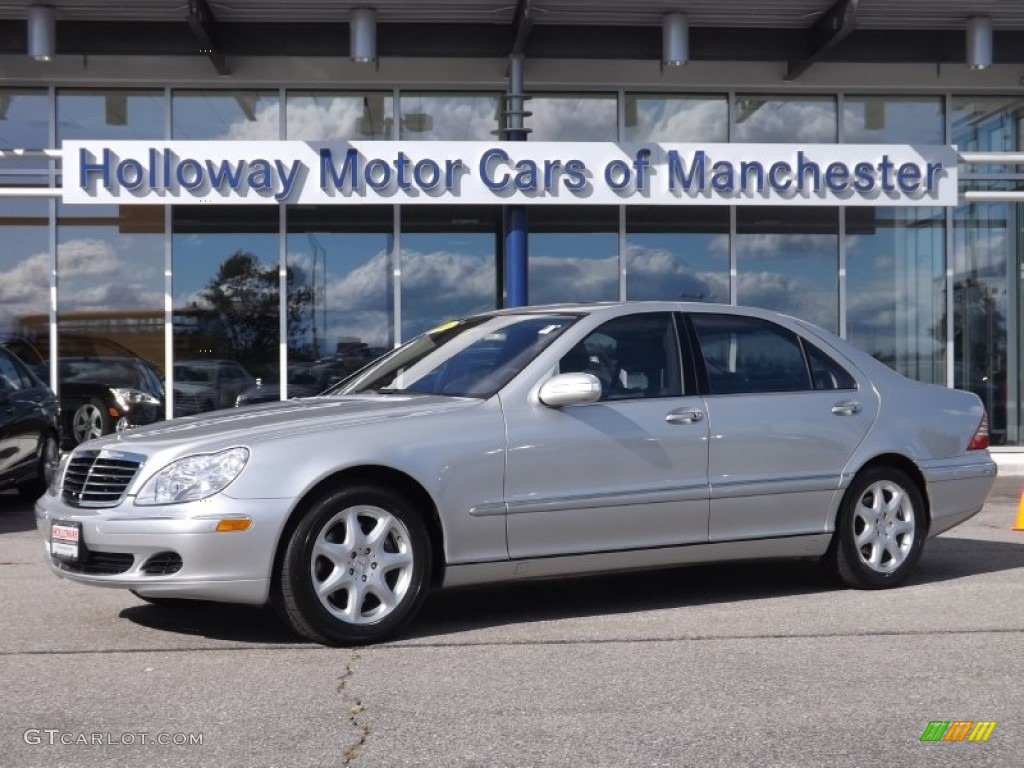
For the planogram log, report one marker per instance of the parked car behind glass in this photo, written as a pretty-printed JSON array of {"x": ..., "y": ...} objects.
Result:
[
  {"x": 98, "y": 392},
  {"x": 206, "y": 385},
  {"x": 531, "y": 443},
  {"x": 304, "y": 380}
]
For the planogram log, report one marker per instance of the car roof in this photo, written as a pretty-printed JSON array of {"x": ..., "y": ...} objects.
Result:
[{"x": 617, "y": 307}]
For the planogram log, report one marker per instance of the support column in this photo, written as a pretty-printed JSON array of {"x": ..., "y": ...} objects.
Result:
[{"x": 515, "y": 219}]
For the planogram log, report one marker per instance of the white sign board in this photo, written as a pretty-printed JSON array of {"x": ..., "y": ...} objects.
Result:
[{"x": 506, "y": 173}]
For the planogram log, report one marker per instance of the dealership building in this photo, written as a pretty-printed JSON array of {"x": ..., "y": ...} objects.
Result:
[{"x": 284, "y": 184}]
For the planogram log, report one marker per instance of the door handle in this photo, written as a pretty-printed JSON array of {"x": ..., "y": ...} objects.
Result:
[
  {"x": 846, "y": 409},
  {"x": 684, "y": 416}
]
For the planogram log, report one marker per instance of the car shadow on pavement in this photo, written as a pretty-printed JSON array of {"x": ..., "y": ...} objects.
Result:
[
  {"x": 951, "y": 557},
  {"x": 452, "y": 611},
  {"x": 469, "y": 608},
  {"x": 215, "y": 621},
  {"x": 466, "y": 608},
  {"x": 16, "y": 514}
]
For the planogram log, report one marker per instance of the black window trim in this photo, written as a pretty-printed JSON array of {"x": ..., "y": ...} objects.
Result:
[{"x": 805, "y": 345}]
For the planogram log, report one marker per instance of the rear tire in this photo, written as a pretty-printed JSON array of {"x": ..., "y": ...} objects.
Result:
[
  {"x": 880, "y": 530},
  {"x": 357, "y": 567}
]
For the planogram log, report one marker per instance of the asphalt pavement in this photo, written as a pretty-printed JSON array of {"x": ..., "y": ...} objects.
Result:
[{"x": 732, "y": 665}]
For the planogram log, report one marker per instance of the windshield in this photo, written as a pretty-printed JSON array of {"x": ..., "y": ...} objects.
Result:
[{"x": 464, "y": 358}]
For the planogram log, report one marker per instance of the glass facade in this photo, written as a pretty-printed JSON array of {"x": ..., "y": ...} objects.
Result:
[
  {"x": 787, "y": 260},
  {"x": 449, "y": 264},
  {"x": 226, "y": 304},
  {"x": 677, "y": 254},
  {"x": 986, "y": 264},
  {"x": 896, "y": 257},
  {"x": 223, "y": 302}
]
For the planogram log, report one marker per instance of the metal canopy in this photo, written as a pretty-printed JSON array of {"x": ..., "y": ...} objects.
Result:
[
  {"x": 786, "y": 14},
  {"x": 797, "y": 31}
]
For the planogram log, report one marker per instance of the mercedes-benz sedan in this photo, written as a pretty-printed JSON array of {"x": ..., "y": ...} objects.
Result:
[{"x": 529, "y": 443}]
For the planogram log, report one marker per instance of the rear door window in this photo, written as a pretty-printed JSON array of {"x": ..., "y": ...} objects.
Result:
[{"x": 749, "y": 355}]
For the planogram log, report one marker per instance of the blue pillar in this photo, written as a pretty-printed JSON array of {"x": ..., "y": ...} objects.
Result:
[
  {"x": 516, "y": 273},
  {"x": 516, "y": 230}
]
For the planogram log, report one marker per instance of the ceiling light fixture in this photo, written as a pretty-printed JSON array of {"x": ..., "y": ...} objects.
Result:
[
  {"x": 675, "y": 39},
  {"x": 42, "y": 33},
  {"x": 363, "y": 35},
  {"x": 979, "y": 42}
]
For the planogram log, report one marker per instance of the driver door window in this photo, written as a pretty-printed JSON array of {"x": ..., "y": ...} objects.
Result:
[{"x": 636, "y": 356}]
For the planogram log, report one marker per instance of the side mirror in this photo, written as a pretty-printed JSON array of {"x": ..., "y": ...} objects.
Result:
[{"x": 570, "y": 389}]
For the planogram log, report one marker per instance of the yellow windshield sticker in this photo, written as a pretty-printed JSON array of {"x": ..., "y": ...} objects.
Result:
[{"x": 443, "y": 327}]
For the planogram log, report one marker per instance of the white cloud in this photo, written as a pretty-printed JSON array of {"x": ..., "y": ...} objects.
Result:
[
  {"x": 455, "y": 118},
  {"x": 659, "y": 273},
  {"x": 338, "y": 118},
  {"x": 24, "y": 289},
  {"x": 698, "y": 120},
  {"x": 120, "y": 274},
  {"x": 264, "y": 126},
  {"x": 576, "y": 119},
  {"x": 790, "y": 295},
  {"x": 785, "y": 121}
]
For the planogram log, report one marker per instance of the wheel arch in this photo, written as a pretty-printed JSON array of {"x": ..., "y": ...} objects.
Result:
[
  {"x": 386, "y": 477},
  {"x": 908, "y": 467}
]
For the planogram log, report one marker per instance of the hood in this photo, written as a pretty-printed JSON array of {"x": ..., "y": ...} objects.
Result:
[
  {"x": 258, "y": 423},
  {"x": 193, "y": 387}
]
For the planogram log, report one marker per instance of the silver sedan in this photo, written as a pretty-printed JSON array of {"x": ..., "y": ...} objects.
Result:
[{"x": 530, "y": 443}]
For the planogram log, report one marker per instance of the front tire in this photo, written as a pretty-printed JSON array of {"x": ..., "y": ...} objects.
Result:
[
  {"x": 880, "y": 530},
  {"x": 356, "y": 568},
  {"x": 90, "y": 421},
  {"x": 49, "y": 457}
]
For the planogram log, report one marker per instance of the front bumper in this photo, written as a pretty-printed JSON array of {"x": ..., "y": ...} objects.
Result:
[{"x": 125, "y": 544}]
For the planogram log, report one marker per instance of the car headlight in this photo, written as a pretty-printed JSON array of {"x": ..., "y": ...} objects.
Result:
[
  {"x": 193, "y": 477},
  {"x": 126, "y": 398}
]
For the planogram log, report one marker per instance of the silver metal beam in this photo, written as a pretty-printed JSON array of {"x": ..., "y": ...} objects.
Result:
[
  {"x": 30, "y": 191},
  {"x": 978, "y": 196},
  {"x": 999, "y": 158}
]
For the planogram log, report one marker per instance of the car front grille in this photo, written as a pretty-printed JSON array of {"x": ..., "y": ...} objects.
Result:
[
  {"x": 162, "y": 564},
  {"x": 99, "y": 563},
  {"x": 185, "y": 405},
  {"x": 99, "y": 478}
]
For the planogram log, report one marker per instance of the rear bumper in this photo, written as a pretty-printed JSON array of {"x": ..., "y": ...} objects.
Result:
[{"x": 957, "y": 489}]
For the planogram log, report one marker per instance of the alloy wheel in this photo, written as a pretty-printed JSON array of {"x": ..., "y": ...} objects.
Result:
[
  {"x": 362, "y": 564},
  {"x": 883, "y": 526},
  {"x": 87, "y": 423}
]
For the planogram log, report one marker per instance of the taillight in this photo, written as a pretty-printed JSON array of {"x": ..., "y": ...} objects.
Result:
[{"x": 980, "y": 439}]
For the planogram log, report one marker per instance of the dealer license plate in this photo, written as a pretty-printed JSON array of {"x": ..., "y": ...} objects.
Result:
[{"x": 65, "y": 539}]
